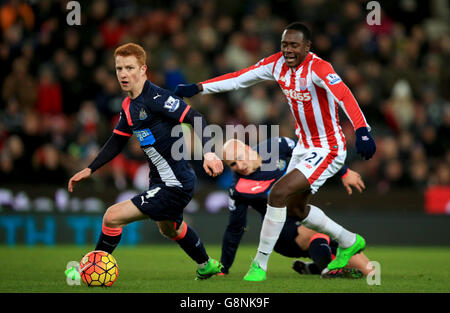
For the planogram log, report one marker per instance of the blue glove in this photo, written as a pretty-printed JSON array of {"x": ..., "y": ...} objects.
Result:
[
  {"x": 188, "y": 90},
  {"x": 365, "y": 145}
]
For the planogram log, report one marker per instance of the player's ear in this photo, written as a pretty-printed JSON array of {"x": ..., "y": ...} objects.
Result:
[
  {"x": 144, "y": 69},
  {"x": 308, "y": 45}
]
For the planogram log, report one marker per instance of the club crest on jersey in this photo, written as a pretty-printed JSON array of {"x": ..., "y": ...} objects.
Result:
[
  {"x": 333, "y": 78},
  {"x": 172, "y": 104},
  {"x": 302, "y": 83},
  {"x": 142, "y": 114}
]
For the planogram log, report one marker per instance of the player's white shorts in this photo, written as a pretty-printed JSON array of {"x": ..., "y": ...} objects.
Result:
[{"x": 317, "y": 164}]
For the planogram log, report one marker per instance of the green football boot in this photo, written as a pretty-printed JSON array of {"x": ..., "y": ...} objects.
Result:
[
  {"x": 211, "y": 268},
  {"x": 255, "y": 273},
  {"x": 72, "y": 273},
  {"x": 343, "y": 255}
]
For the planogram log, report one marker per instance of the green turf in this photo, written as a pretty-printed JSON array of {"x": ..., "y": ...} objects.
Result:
[{"x": 166, "y": 269}]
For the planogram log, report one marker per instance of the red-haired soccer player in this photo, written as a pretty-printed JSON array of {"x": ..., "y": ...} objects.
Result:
[
  {"x": 313, "y": 91},
  {"x": 150, "y": 113}
]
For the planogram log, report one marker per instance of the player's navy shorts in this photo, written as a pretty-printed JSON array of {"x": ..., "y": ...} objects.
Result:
[
  {"x": 162, "y": 203},
  {"x": 287, "y": 246}
]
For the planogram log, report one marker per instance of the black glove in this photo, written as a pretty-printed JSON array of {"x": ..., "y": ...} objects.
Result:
[
  {"x": 365, "y": 145},
  {"x": 188, "y": 90}
]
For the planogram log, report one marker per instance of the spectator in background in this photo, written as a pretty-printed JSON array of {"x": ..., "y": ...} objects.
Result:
[
  {"x": 19, "y": 84},
  {"x": 15, "y": 11},
  {"x": 49, "y": 97},
  {"x": 206, "y": 39}
]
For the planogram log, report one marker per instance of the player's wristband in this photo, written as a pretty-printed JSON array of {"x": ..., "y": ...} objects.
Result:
[{"x": 343, "y": 171}]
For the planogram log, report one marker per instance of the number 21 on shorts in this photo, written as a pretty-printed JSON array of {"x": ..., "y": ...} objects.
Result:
[{"x": 314, "y": 159}]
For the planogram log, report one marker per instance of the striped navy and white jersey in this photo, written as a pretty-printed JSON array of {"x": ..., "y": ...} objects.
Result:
[
  {"x": 151, "y": 117},
  {"x": 313, "y": 91}
]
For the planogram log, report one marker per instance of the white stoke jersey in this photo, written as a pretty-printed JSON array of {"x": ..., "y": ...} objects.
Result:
[{"x": 313, "y": 91}]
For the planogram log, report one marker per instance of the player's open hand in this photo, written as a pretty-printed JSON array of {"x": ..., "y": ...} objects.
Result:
[
  {"x": 212, "y": 164},
  {"x": 83, "y": 174},
  {"x": 353, "y": 179}
]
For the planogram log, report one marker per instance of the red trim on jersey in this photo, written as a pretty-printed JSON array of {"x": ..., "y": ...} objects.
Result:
[
  {"x": 276, "y": 58},
  {"x": 294, "y": 105},
  {"x": 184, "y": 113},
  {"x": 110, "y": 231},
  {"x": 118, "y": 132},
  {"x": 126, "y": 108},
  {"x": 251, "y": 186},
  {"x": 308, "y": 110},
  {"x": 326, "y": 118},
  {"x": 322, "y": 167},
  {"x": 338, "y": 124},
  {"x": 341, "y": 92},
  {"x": 319, "y": 235}
]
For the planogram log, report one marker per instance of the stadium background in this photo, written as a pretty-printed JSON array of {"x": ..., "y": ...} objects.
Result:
[{"x": 60, "y": 100}]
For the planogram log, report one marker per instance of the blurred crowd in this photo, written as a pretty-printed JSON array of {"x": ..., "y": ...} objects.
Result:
[{"x": 60, "y": 98}]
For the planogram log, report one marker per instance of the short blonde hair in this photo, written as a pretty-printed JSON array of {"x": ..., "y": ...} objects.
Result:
[{"x": 132, "y": 49}]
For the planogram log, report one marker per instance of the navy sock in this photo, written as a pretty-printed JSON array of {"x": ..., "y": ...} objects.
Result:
[
  {"x": 320, "y": 252},
  {"x": 108, "y": 243},
  {"x": 191, "y": 244}
]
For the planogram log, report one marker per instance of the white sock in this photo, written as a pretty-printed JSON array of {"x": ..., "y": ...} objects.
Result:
[
  {"x": 270, "y": 231},
  {"x": 318, "y": 221}
]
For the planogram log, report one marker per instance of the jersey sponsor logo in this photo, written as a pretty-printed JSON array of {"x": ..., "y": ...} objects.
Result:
[
  {"x": 172, "y": 104},
  {"x": 300, "y": 96},
  {"x": 144, "y": 136},
  {"x": 333, "y": 79},
  {"x": 253, "y": 186},
  {"x": 142, "y": 114}
]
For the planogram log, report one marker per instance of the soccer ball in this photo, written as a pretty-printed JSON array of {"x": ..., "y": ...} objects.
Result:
[{"x": 99, "y": 268}]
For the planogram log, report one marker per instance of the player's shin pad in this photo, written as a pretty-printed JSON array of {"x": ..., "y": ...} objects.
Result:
[{"x": 271, "y": 228}]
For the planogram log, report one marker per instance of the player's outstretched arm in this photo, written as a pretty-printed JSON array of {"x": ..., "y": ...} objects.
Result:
[
  {"x": 109, "y": 151},
  {"x": 188, "y": 90},
  {"x": 352, "y": 179},
  {"x": 83, "y": 174}
]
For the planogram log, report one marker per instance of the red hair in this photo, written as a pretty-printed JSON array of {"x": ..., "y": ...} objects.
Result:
[{"x": 132, "y": 49}]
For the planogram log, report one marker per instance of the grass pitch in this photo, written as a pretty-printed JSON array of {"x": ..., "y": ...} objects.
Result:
[{"x": 166, "y": 269}]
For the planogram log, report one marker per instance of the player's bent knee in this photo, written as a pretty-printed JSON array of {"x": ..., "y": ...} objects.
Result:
[
  {"x": 278, "y": 196},
  {"x": 168, "y": 233},
  {"x": 110, "y": 219},
  {"x": 168, "y": 230}
]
